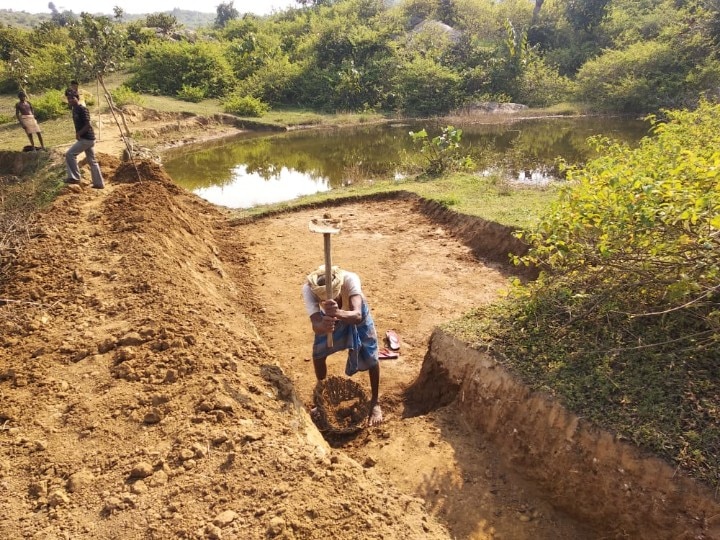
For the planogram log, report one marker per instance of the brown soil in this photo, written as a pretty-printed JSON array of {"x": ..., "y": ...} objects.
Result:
[{"x": 155, "y": 380}]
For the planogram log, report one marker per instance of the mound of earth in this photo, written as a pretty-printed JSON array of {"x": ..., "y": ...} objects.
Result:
[{"x": 139, "y": 401}]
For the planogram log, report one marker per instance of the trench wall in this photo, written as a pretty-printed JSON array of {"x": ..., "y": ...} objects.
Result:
[{"x": 587, "y": 472}]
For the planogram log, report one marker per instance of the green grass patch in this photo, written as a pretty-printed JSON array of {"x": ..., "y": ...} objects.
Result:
[{"x": 461, "y": 192}]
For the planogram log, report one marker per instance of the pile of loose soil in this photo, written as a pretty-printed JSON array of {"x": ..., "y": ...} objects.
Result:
[{"x": 138, "y": 400}]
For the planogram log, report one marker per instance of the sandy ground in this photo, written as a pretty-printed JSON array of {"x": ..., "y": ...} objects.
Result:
[{"x": 155, "y": 382}]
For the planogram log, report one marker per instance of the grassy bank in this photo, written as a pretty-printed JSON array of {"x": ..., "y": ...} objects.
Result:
[{"x": 490, "y": 198}]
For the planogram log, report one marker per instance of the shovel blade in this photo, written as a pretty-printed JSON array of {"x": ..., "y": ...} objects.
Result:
[{"x": 325, "y": 225}]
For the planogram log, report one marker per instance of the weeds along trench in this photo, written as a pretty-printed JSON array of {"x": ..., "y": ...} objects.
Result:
[
  {"x": 613, "y": 486},
  {"x": 606, "y": 483}
]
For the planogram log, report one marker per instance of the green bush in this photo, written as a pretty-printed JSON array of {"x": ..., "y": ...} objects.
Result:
[
  {"x": 6, "y": 119},
  {"x": 245, "y": 106},
  {"x": 427, "y": 88},
  {"x": 441, "y": 154},
  {"x": 645, "y": 76},
  {"x": 124, "y": 95},
  {"x": 52, "y": 104},
  {"x": 165, "y": 67},
  {"x": 276, "y": 81},
  {"x": 193, "y": 94},
  {"x": 48, "y": 71},
  {"x": 540, "y": 85},
  {"x": 624, "y": 321}
]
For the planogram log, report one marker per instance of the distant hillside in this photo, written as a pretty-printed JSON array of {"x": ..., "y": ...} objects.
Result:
[{"x": 189, "y": 19}]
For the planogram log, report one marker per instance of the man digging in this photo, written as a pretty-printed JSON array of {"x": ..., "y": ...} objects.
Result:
[{"x": 347, "y": 318}]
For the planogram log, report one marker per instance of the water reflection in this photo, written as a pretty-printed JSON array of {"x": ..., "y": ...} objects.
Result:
[
  {"x": 257, "y": 189},
  {"x": 254, "y": 170}
]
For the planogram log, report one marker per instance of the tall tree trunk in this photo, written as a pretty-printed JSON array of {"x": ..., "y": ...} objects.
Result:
[{"x": 536, "y": 10}]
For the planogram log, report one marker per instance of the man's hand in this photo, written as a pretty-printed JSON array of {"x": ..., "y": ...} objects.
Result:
[
  {"x": 330, "y": 308},
  {"x": 327, "y": 325}
]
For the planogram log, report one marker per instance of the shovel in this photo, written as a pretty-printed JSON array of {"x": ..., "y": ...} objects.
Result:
[{"x": 327, "y": 225}]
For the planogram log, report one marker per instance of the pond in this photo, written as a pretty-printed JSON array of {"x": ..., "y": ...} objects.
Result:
[{"x": 254, "y": 169}]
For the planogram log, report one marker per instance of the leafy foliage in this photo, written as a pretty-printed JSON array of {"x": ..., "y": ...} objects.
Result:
[
  {"x": 245, "y": 106},
  {"x": 124, "y": 95},
  {"x": 627, "y": 303},
  {"x": 416, "y": 57},
  {"x": 193, "y": 94},
  {"x": 441, "y": 154},
  {"x": 426, "y": 88},
  {"x": 164, "y": 67},
  {"x": 52, "y": 104},
  {"x": 98, "y": 44},
  {"x": 225, "y": 12}
]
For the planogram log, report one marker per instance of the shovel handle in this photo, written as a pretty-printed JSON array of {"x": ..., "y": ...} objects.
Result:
[{"x": 328, "y": 279}]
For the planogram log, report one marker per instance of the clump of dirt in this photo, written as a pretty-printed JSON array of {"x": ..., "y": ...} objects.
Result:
[{"x": 129, "y": 172}]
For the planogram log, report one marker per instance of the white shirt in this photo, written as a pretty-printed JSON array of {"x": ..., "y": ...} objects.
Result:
[{"x": 350, "y": 286}]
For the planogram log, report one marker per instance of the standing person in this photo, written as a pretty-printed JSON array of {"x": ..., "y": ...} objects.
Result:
[
  {"x": 26, "y": 116},
  {"x": 347, "y": 316},
  {"x": 85, "y": 142}
]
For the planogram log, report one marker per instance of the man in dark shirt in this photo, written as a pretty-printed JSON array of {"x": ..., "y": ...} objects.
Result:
[{"x": 85, "y": 143}]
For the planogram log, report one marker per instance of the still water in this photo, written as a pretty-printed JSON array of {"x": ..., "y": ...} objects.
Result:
[{"x": 255, "y": 169}]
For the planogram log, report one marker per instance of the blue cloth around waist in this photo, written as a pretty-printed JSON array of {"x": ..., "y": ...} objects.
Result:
[{"x": 360, "y": 340}]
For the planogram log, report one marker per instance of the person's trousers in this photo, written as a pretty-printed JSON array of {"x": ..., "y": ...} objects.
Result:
[{"x": 73, "y": 171}]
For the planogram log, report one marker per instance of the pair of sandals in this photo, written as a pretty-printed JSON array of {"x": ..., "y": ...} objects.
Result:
[{"x": 393, "y": 346}]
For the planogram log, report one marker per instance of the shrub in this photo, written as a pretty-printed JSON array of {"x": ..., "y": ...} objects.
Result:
[
  {"x": 276, "y": 81},
  {"x": 164, "y": 68},
  {"x": 643, "y": 77},
  {"x": 441, "y": 154},
  {"x": 124, "y": 95},
  {"x": 624, "y": 320},
  {"x": 245, "y": 106},
  {"x": 427, "y": 88},
  {"x": 47, "y": 71},
  {"x": 52, "y": 104},
  {"x": 193, "y": 94},
  {"x": 540, "y": 85}
]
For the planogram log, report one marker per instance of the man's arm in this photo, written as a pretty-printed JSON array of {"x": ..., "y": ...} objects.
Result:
[
  {"x": 322, "y": 324},
  {"x": 351, "y": 316}
]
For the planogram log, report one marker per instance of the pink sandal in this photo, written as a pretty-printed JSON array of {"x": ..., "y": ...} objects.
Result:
[
  {"x": 387, "y": 354},
  {"x": 393, "y": 340}
]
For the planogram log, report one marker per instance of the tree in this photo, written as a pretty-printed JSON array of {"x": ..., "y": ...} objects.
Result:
[
  {"x": 226, "y": 12},
  {"x": 536, "y": 10},
  {"x": 585, "y": 14},
  {"x": 165, "y": 22}
]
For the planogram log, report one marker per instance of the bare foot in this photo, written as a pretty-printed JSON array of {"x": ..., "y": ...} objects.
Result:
[{"x": 376, "y": 416}]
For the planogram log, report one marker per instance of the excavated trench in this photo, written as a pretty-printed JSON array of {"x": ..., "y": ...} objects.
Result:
[
  {"x": 587, "y": 473},
  {"x": 603, "y": 484}
]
